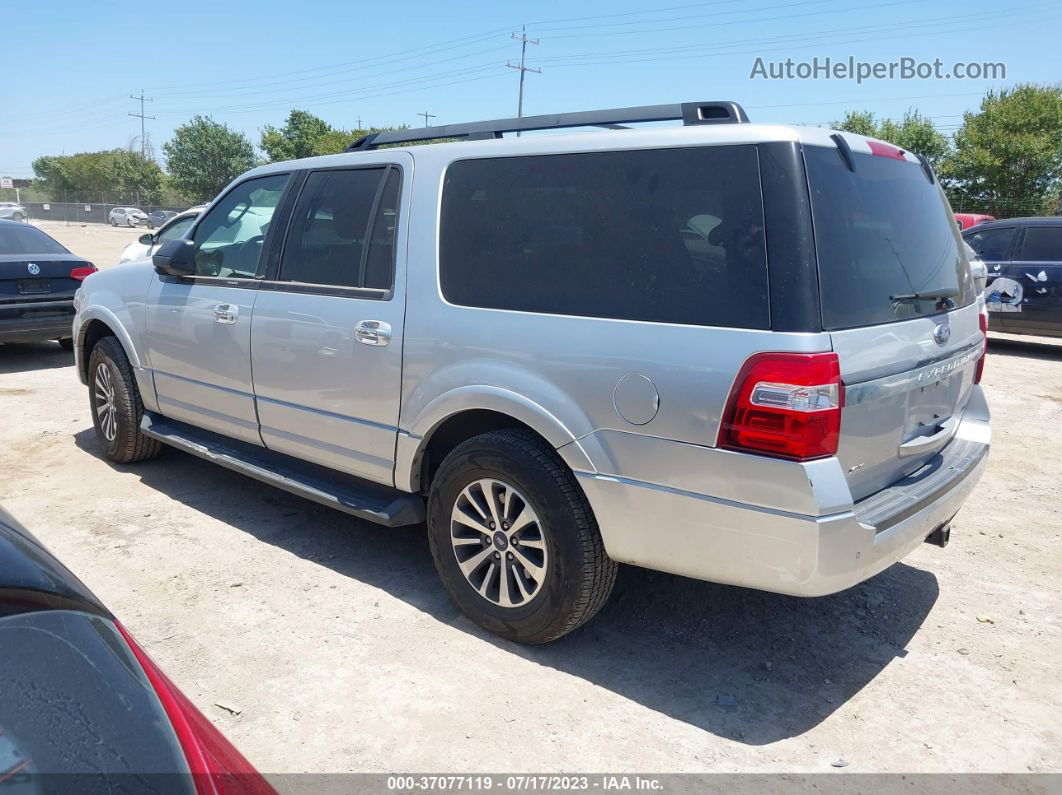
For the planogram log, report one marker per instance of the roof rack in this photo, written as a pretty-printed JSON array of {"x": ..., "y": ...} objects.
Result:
[{"x": 614, "y": 118}]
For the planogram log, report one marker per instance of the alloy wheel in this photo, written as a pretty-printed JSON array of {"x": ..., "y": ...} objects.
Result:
[
  {"x": 499, "y": 543},
  {"x": 106, "y": 410}
]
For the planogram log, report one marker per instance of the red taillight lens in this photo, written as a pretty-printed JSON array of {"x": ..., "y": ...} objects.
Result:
[
  {"x": 81, "y": 272},
  {"x": 217, "y": 767},
  {"x": 786, "y": 404},
  {"x": 982, "y": 318}
]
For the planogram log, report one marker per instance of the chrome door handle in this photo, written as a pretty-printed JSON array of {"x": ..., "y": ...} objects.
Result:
[
  {"x": 373, "y": 332},
  {"x": 226, "y": 314}
]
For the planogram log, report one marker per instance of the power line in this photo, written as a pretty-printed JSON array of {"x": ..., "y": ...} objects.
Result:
[
  {"x": 142, "y": 117},
  {"x": 522, "y": 66}
]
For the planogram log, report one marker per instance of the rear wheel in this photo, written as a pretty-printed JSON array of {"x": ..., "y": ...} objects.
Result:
[
  {"x": 116, "y": 405},
  {"x": 514, "y": 539},
  {"x": 17, "y": 217}
]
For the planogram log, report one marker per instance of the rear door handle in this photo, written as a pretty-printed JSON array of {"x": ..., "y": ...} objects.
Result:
[
  {"x": 373, "y": 332},
  {"x": 226, "y": 314}
]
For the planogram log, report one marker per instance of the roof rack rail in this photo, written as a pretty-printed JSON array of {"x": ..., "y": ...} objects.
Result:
[{"x": 614, "y": 118}]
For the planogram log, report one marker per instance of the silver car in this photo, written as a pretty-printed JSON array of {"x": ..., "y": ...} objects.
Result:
[
  {"x": 126, "y": 216},
  {"x": 744, "y": 353},
  {"x": 13, "y": 211}
]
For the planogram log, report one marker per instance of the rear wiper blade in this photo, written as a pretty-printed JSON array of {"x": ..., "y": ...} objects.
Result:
[{"x": 932, "y": 295}]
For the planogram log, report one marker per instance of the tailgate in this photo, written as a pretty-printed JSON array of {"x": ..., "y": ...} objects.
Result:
[
  {"x": 898, "y": 299},
  {"x": 904, "y": 394}
]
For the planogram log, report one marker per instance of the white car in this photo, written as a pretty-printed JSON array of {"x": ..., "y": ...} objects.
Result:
[
  {"x": 147, "y": 243},
  {"x": 13, "y": 211},
  {"x": 126, "y": 216}
]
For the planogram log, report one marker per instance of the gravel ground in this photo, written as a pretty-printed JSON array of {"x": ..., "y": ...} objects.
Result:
[{"x": 334, "y": 648}]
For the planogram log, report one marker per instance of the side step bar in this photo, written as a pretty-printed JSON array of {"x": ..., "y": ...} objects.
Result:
[{"x": 346, "y": 493}]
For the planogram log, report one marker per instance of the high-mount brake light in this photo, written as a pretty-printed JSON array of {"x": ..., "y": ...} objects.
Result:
[{"x": 786, "y": 405}]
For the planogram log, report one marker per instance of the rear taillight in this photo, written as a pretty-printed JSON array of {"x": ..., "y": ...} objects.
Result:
[
  {"x": 217, "y": 767},
  {"x": 982, "y": 318},
  {"x": 786, "y": 404},
  {"x": 82, "y": 271}
]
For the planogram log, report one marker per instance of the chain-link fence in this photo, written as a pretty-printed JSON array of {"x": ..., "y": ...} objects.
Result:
[{"x": 84, "y": 212}]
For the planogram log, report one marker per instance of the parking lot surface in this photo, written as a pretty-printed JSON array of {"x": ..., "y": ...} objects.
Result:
[{"x": 321, "y": 643}]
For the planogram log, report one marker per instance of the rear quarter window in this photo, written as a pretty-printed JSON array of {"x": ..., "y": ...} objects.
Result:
[
  {"x": 1042, "y": 244},
  {"x": 666, "y": 235},
  {"x": 887, "y": 247}
]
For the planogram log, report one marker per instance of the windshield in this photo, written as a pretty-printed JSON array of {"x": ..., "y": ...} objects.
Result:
[
  {"x": 20, "y": 239},
  {"x": 888, "y": 248}
]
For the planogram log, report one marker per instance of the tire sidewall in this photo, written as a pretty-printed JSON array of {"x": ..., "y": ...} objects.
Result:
[
  {"x": 101, "y": 357},
  {"x": 558, "y": 595}
]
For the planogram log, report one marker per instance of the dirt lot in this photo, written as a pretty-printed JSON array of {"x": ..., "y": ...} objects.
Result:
[{"x": 341, "y": 652}]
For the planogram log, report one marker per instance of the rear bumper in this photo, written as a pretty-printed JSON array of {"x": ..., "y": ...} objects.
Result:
[
  {"x": 732, "y": 542},
  {"x": 35, "y": 329}
]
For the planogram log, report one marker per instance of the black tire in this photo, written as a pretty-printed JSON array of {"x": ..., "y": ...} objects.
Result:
[
  {"x": 66, "y": 343},
  {"x": 17, "y": 217},
  {"x": 128, "y": 444},
  {"x": 580, "y": 576}
]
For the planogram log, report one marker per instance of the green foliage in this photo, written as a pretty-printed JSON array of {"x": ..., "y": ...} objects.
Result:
[
  {"x": 204, "y": 156},
  {"x": 296, "y": 138},
  {"x": 1008, "y": 156},
  {"x": 913, "y": 133},
  {"x": 112, "y": 174}
]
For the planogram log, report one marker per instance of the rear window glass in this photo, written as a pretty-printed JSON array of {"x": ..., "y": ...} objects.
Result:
[
  {"x": 887, "y": 247},
  {"x": 1042, "y": 244},
  {"x": 667, "y": 235},
  {"x": 20, "y": 239}
]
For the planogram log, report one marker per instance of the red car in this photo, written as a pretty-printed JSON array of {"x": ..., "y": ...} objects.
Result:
[
  {"x": 82, "y": 706},
  {"x": 966, "y": 220}
]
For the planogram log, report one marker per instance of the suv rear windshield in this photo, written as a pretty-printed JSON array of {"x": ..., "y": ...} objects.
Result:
[
  {"x": 666, "y": 235},
  {"x": 887, "y": 247}
]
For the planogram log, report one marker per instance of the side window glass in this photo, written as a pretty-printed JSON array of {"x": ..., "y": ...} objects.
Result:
[
  {"x": 176, "y": 229},
  {"x": 992, "y": 245},
  {"x": 329, "y": 228},
  {"x": 229, "y": 238},
  {"x": 380, "y": 259},
  {"x": 1042, "y": 244}
]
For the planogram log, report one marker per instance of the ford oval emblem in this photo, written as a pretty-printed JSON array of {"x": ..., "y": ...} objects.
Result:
[
  {"x": 33, "y": 268},
  {"x": 942, "y": 333}
]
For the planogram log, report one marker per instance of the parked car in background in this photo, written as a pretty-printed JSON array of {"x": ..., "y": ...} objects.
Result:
[
  {"x": 13, "y": 211},
  {"x": 38, "y": 278},
  {"x": 745, "y": 353},
  {"x": 83, "y": 704},
  {"x": 1024, "y": 259},
  {"x": 966, "y": 220},
  {"x": 157, "y": 218},
  {"x": 175, "y": 227},
  {"x": 126, "y": 216}
]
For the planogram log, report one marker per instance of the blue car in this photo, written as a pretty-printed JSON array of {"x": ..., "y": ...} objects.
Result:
[{"x": 1024, "y": 258}]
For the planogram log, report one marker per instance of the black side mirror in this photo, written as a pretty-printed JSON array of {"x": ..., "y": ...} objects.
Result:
[
  {"x": 146, "y": 239},
  {"x": 175, "y": 258}
]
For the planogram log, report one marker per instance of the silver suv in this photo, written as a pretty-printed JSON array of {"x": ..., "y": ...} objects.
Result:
[{"x": 744, "y": 353}]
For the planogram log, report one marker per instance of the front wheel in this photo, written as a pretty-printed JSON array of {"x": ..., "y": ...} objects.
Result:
[
  {"x": 514, "y": 540},
  {"x": 17, "y": 217},
  {"x": 116, "y": 405}
]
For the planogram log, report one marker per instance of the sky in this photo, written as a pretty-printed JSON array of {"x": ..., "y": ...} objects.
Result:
[{"x": 70, "y": 67}]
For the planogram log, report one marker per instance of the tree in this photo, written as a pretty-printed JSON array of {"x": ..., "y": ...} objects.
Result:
[
  {"x": 913, "y": 133},
  {"x": 297, "y": 137},
  {"x": 204, "y": 156},
  {"x": 1008, "y": 155},
  {"x": 136, "y": 176}
]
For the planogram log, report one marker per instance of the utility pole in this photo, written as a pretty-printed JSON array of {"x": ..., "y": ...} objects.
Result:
[
  {"x": 522, "y": 66},
  {"x": 141, "y": 116},
  {"x": 427, "y": 116},
  {"x": 359, "y": 123}
]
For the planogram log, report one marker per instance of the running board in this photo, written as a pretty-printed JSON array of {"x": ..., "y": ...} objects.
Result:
[{"x": 346, "y": 493}]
